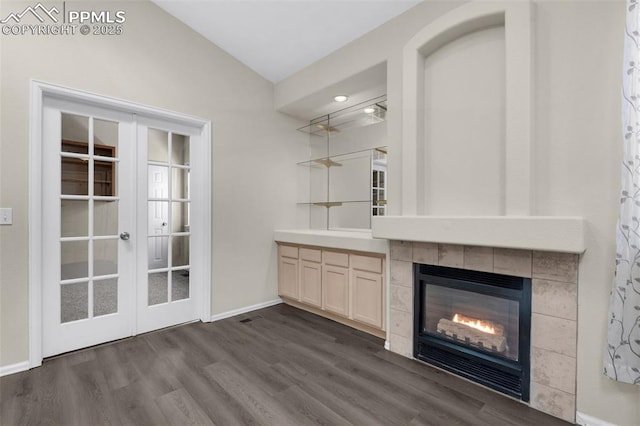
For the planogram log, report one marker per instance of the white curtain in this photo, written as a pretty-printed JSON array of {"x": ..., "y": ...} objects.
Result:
[{"x": 622, "y": 353}]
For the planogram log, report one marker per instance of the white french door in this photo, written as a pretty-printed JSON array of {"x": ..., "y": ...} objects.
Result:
[
  {"x": 165, "y": 273},
  {"x": 116, "y": 220},
  {"x": 88, "y": 271}
]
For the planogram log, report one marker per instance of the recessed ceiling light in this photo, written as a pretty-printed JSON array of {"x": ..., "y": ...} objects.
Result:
[
  {"x": 341, "y": 98},
  {"x": 369, "y": 110}
]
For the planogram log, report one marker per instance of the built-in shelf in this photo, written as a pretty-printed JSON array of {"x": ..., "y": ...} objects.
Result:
[
  {"x": 343, "y": 183},
  {"x": 339, "y": 159},
  {"x": 334, "y": 203},
  {"x": 352, "y": 116},
  {"x": 328, "y": 162},
  {"x": 328, "y": 204}
]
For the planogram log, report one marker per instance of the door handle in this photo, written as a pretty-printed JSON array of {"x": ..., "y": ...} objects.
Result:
[
  {"x": 124, "y": 236},
  {"x": 164, "y": 223}
]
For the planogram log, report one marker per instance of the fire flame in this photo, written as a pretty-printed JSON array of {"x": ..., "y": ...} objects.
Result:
[{"x": 474, "y": 323}]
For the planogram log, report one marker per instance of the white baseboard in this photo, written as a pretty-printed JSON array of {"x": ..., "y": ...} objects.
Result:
[
  {"x": 587, "y": 420},
  {"x": 234, "y": 312},
  {"x": 5, "y": 370}
]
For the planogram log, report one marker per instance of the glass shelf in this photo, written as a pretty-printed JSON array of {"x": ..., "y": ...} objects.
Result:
[
  {"x": 342, "y": 184},
  {"x": 339, "y": 159},
  {"x": 331, "y": 203},
  {"x": 353, "y": 116}
]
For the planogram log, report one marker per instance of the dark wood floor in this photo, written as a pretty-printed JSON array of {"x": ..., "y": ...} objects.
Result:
[{"x": 284, "y": 367}]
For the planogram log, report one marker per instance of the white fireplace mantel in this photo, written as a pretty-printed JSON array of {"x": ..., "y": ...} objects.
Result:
[{"x": 545, "y": 233}]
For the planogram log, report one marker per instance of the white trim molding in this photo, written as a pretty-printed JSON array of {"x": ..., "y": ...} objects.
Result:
[
  {"x": 5, "y": 370},
  {"x": 587, "y": 420},
  {"x": 38, "y": 92},
  {"x": 516, "y": 18},
  {"x": 234, "y": 312}
]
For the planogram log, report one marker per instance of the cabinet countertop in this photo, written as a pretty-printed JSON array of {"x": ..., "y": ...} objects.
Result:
[{"x": 359, "y": 240}]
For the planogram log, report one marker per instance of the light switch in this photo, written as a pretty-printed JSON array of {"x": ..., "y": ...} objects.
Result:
[{"x": 6, "y": 216}]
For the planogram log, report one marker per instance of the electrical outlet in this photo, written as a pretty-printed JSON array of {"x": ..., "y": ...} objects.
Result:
[{"x": 6, "y": 216}]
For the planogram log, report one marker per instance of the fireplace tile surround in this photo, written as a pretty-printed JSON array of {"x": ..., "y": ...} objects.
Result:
[{"x": 554, "y": 309}]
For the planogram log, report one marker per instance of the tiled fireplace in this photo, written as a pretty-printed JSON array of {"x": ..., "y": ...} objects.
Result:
[{"x": 553, "y": 309}]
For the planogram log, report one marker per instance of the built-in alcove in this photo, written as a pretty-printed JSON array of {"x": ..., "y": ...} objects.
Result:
[
  {"x": 466, "y": 116},
  {"x": 463, "y": 139},
  {"x": 343, "y": 182},
  {"x": 466, "y": 172}
]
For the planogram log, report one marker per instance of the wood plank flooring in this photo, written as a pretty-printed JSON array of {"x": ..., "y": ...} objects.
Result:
[{"x": 283, "y": 367}]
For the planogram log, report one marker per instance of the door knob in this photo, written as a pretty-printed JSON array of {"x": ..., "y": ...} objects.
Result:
[
  {"x": 164, "y": 223},
  {"x": 124, "y": 236}
]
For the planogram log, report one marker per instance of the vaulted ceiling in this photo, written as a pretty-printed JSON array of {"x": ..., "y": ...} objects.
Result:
[{"x": 277, "y": 38}]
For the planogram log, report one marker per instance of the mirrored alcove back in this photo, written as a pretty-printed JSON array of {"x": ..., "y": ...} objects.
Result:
[{"x": 343, "y": 182}]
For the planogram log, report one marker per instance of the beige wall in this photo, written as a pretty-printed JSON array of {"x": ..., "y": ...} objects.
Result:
[
  {"x": 160, "y": 62},
  {"x": 577, "y": 149}
]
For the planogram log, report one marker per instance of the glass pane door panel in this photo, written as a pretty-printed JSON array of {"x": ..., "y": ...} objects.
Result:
[
  {"x": 105, "y": 257},
  {"x": 158, "y": 218},
  {"x": 105, "y": 138},
  {"x": 180, "y": 217},
  {"x": 180, "y": 284},
  {"x": 180, "y": 149},
  {"x": 74, "y": 176},
  {"x": 74, "y": 301},
  {"x": 179, "y": 251},
  {"x": 105, "y": 218},
  {"x": 168, "y": 211},
  {"x": 180, "y": 183},
  {"x": 105, "y": 297},
  {"x": 104, "y": 178},
  {"x": 75, "y": 133},
  {"x": 74, "y": 218},
  {"x": 158, "y": 288},
  {"x": 158, "y": 181},
  {"x": 84, "y": 140},
  {"x": 158, "y": 146},
  {"x": 74, "y": 257},
  {"x": 158, "y": 252}
]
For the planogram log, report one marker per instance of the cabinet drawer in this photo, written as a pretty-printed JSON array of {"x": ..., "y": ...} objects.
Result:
[
  {"x": 336, "y": 259},
  {"x": 289, "y": 251},
  {"x": 312, "y": 255},
  {"x": 366, "y": 263}
]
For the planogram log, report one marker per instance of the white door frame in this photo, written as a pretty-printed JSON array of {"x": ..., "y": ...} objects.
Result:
[{"x": 40, "y": 90}]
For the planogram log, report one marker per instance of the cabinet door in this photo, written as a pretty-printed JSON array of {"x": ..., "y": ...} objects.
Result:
[
  {"x": 311, "y": 283},
  {"x": 367, "y": 298},
  {"x": 288, "y": 278},
  {"x": 335, "y": 295}
]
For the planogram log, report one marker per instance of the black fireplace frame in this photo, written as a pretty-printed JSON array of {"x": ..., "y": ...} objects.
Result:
[{"x": 506, "y": 376}]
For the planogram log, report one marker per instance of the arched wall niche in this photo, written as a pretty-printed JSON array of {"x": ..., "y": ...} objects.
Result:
[{"x": 510, "y": 167}]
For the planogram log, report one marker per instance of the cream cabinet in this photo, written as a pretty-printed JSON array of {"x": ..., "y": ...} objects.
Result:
[
  {"x": 348, "y": 287},
  {"x": 288, "y": 282},
  {"x": 311, "y": 276},
  {"x": 367, "y": 298},
  {"x": 335, "y": 295},
  {"x": 311, "y": 283}
]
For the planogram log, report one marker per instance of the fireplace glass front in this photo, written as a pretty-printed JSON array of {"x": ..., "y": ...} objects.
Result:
[
  {"x": 474, "y": 324},
  {"x": 486, "y": 323}
]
